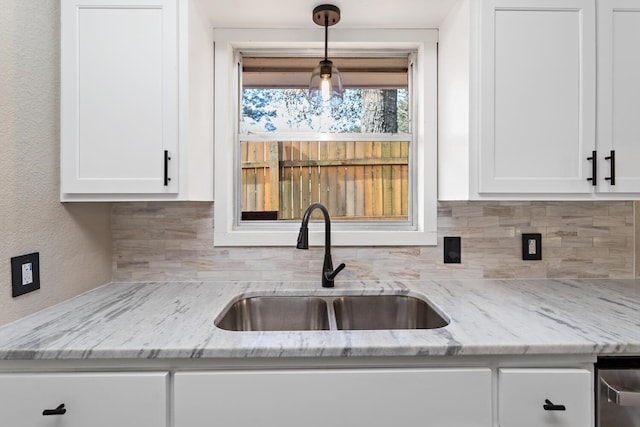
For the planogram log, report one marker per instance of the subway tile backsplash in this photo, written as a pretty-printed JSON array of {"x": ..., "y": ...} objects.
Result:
[{"x": 174, "y": 241}]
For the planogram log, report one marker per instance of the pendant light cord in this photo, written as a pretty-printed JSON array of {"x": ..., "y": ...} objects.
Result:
[{"x": 326, "y": 36}]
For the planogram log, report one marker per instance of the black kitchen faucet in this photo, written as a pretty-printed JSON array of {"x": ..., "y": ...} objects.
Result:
[{"x": 328, "y": 273}]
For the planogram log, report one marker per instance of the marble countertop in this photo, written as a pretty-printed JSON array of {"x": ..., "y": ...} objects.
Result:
[{"x": 488, "y": 317}]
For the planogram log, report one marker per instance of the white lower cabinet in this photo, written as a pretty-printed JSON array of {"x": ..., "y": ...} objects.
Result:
[
  {"x": 373, "y": 397},
  {"x": 545, "y": 397},
  {"x": 340, "y": 398},
  {"x": 89, "y": 399}
]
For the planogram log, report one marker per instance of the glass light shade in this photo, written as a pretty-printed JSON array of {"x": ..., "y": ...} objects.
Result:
[{"x": 325, "y": 87}]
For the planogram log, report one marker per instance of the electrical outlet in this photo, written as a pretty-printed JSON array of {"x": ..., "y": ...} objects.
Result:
[
  {"x": 532, "y": 246},
  {"x": 25, "y": 274},
  {"x": 452, "y": 250}
]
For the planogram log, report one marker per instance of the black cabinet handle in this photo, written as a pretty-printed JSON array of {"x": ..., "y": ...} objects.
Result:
[
  {"x": 612, "y": 163},
  {"x": 550, "y": 406},
  {"x": 166, "y": 168},
  {"x": 58, "y": 411},
  {"x": 594, "y": 169}
]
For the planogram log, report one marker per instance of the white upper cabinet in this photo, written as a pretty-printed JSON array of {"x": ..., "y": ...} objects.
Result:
[
  {"x": 537, "y": 96},
  {"x": 126, "y": 133},
  {"x": 551, "y": 83},
  {"x": 619, "y": 96},
  {"x": 120, "y": 96}
]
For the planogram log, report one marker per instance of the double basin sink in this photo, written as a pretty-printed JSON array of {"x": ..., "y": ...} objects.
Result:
[{"x": 335, "y": 312}]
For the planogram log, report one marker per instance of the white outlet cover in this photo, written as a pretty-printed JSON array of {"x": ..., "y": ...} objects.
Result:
[{"x": 27, "y": 274}]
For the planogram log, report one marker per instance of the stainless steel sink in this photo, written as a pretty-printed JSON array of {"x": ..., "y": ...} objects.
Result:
[
  {"x": 385, "y": 312},
  {"x": 330, "y": 312},
  {"x": 275, "y": 314}
]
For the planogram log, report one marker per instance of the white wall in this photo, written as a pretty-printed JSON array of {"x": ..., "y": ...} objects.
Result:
[{"x": 74, "y": 240}]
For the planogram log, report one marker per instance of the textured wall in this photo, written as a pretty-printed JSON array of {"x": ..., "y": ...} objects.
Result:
[
  {"x": 158, "y": 241},
  {"x": 74, "y": 241}
]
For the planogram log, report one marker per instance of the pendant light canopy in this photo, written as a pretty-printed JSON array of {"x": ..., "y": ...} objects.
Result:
[{"x": 325, "y": 87}]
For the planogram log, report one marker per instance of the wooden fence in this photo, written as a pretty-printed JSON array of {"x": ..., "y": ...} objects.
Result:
[{"x": 354, "y": 180}]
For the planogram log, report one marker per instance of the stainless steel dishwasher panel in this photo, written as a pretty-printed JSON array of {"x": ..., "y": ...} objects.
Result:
[{"x": 618, "y": 398}]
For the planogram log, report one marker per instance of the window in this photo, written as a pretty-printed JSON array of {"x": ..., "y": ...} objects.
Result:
[
  {"x": 370, "y": 161},
  {"x": 354, "y": 158}
]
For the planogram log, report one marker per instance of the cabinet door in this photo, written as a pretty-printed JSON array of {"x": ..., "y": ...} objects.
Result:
[
  {"x": 523, "y": 394},
  {"x": 537, "y": 96},
  {"x": 119, "y": 96},
  {"x": 318, "y": 398},
  {"x": 96, "y": 400},
  {"x": 619, "y": 94}
]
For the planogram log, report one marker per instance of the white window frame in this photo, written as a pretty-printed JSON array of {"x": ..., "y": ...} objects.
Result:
[{"x": 227, "y": 229}]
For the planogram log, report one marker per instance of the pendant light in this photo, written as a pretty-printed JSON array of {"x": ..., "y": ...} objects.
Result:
[{"x": 325, "y": 87}]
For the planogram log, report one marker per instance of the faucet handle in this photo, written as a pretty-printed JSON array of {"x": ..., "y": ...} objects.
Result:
[{"x": 334, "y": 273}]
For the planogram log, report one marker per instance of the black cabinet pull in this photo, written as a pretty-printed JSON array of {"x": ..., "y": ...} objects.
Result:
[
  {"x": 550, "y": 406},
  {"x": 58, "y": 411},
  {"x": 612, "y": 163},
  {"x": 166, "y": 168},
  {"x": 594, "y": 169}
]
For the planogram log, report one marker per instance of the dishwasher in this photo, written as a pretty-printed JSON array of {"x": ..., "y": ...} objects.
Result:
[{"x": 618, "y": 392}]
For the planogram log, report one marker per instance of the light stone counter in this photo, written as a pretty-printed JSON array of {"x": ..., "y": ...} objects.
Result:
[{"x": 488, "y": 317}]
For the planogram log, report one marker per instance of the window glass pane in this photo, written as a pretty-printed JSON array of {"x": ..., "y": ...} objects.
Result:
[
  {"x": 355, "y": 180},
  {"x": 362, "y": 110}
]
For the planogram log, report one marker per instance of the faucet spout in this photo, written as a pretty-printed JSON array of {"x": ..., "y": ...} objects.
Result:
[
  {"x": 328, "y": 273},
  {"x": 303, "y": 238}
]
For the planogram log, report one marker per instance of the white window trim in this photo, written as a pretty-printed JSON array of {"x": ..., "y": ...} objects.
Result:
[{"x": 227, "y": 41}]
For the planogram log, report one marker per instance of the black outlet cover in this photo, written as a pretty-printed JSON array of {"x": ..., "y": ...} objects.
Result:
[
  {"x": 31, "y": 263},
  {"x": 452, "y": 250},
  {"x": 532, "y": 246}
]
